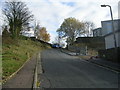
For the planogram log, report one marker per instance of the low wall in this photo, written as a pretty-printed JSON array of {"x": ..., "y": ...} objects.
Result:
[
  {"x": 110, "y": 54},
  {"x": 88, "y": 45}
]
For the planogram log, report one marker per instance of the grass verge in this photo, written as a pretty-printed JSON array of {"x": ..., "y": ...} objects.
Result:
[{"x": 15, "y": 52}]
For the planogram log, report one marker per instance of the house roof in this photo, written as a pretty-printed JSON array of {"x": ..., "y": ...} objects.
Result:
[{"x": 97, "y": 29}]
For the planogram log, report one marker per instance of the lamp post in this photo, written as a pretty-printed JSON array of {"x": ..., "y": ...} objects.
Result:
[{"x": 115, "y": 43}]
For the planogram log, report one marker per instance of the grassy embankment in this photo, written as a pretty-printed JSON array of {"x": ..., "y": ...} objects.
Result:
[{"x": 16, "y": 52}]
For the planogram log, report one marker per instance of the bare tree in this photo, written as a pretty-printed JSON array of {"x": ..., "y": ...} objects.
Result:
[
  {"x": 37, "y": 28},
  {"x": 18, "y": 16},
  {"x": 88, "y": 26}
]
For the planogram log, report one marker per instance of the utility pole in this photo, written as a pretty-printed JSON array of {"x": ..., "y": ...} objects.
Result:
[{"x": 113, "y": 29}]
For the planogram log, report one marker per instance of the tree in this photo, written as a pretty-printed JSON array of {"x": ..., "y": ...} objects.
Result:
[
  {"x": 59, "y": 38},
  {"x": 37, "y": 27},
  {"x": 71, "y": 28},
  {"x": 88, "y": 26},
  {"x": 18, "y": 16},
  {"x": 5, "y": 32},
  {"x": 58, "y": 41},
  {"x": 43, "y": 35}
]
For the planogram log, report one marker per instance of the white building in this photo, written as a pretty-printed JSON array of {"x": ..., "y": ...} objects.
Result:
[
  {"x": 107, "y": 32},
  {"x": 28, "y": 33},
  {"x": 97, "y": 32}
]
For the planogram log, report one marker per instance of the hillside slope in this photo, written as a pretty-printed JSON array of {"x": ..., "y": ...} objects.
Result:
[{"x": 15, "y": 52}]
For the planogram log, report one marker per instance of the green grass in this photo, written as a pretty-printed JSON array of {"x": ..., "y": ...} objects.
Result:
[{"x": 15, "y": 52}]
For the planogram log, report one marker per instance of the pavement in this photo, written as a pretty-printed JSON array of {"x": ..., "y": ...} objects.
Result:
[
  {"x": 99, "y": 61},
  {"x": 25, "y": 77},
  {"x": 68, "y": 52},
  {"x": 65, "y": 71},
  {"x": 106, "y": 63}
]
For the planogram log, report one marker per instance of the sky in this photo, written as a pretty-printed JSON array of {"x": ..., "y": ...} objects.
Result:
[{"x": 51, "y": 13}]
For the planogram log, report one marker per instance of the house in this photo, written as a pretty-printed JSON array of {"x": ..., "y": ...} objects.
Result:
[
  {"x": 107, "y": 32},
  {"x": 28, "y": 33},
  {"x": 97, "y": 32},
  {"x": 110, "y": 52}
]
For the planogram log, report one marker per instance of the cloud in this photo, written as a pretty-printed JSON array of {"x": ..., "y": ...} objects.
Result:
[
  {"x": 119, "y": 10},
  {"x": 51, "y": 13},
  {"x": 71, "y": 4}
]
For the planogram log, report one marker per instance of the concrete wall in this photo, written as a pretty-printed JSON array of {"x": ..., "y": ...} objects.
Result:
[
  {"x": 108, "y": 33},
  {"x": 86, "y": 44},
  {"x": 109, "y": 41},
  {"x": 110, "y": 54}
]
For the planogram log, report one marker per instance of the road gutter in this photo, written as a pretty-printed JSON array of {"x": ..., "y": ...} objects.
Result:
[
  {"x": 103, "y": 66},
  {"x": 37, "y": 72},
  {"x": 35, "y": 75},
  {"x": 106, "y": 66}
]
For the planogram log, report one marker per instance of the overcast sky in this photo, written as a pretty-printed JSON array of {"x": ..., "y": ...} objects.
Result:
[{"x": 51, "y": 13}]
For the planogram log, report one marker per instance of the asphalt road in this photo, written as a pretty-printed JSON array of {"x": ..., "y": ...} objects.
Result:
[{"x": 64, "y": 71}]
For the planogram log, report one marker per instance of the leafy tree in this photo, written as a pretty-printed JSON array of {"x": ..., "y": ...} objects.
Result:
[
  {"x": 43, "y": 35},
  {"x": 71, "y": 28},
  {"x": 18, "y": 16}
]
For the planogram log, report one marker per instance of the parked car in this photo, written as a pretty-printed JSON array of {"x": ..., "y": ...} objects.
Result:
[{"x": 56, "y": 46}]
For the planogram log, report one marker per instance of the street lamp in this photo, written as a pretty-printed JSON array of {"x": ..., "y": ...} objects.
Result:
[{"x": 115, "y": 43}]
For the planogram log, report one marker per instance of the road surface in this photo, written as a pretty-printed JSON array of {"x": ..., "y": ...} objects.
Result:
[{"x": 64, "y": 71}]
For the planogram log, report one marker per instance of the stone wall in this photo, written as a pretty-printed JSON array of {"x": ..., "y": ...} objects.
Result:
[{"x": 110, "y": 54}]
